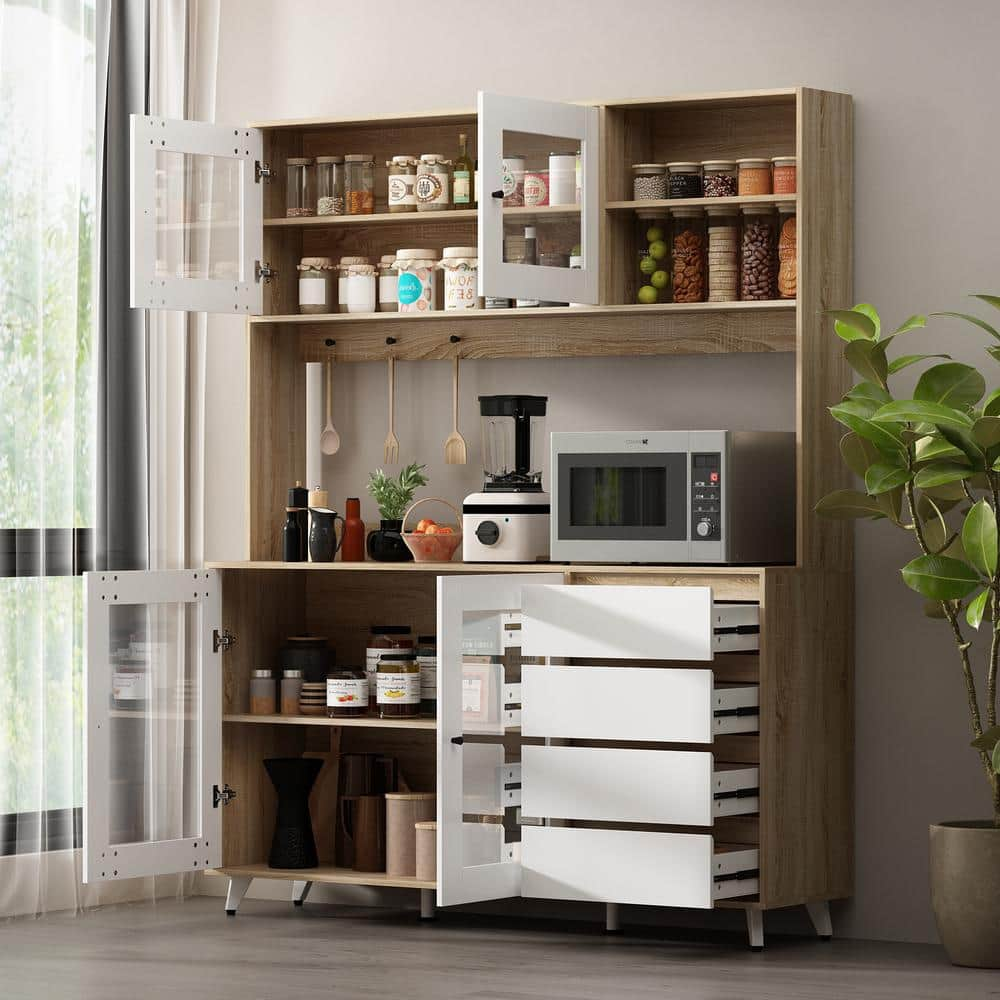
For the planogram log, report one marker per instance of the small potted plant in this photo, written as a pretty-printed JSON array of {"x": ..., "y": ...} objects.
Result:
[
  {"x": 930, "y": 464},
  {"x": 393, "y": 497}
]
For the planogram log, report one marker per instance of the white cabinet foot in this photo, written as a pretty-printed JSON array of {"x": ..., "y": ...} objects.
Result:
[
  {"x": 237, "y": 890},
  {"x": 819, "y": 914},
  {"x": 611, "y": 922},
  {"x": 427, "y": 907},
  {"x": 300, "y": 891},
  {"x": 755, "y": 927}
]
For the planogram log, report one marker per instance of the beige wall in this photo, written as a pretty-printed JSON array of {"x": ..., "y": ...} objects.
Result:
[{"x": 923, "y": 75}]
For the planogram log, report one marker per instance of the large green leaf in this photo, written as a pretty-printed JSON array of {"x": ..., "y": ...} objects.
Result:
[
  {"x": 858, "y": 453},
  {"x": 939, "y": 474},
  {"x": 884, "y": 476},
  {"x": 991, "y": 406},
  {"x": 963, "y": 440},
  {"x": 993, "y": 300},
  {"x": 986, "y": 432},
  {"x": 850, "y": 325},
  {"x": 940, "y": 577},
  {"x": 867, "y": 309},
  {"x": 952, "y": 384},
  {"x": 914, "y": 410},
  {"x": 932, "y": 448},
  {"x": 977, "y": 608},
  {"x": 975, "y": 320},
  {"x": 979, "y": 537},
  {"x": 867, "y": 360},
  {"x": 891, "y": 504},
  {"x": 915, "y": 322},
  {"x": 848, "y": 504},
  {"x": 905, "y": 360},
  {"x": 857, "y": 416},
  {"x": 868, "y": 390}
]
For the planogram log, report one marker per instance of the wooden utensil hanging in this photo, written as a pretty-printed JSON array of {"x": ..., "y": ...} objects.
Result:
[
  {"x": 390, "y": 450},
  {"x": 455, "y": 449}
]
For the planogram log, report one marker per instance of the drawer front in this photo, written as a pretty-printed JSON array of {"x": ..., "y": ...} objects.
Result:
[{"x": 631, "y": 866}]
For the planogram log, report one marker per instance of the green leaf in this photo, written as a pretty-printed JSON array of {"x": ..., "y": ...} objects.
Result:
[
  {"x": 848, "y": 504},
  {"x": 850, "y": 325},
  {"x": 883, "y": 476},
  {"x": 988, "y": 740},
  {"x": 975, "y": 320},
  {"x": 977, "y": 608},
  {"x": 962, "y": 439},
  {"x": 867, "y": 309},
  {"x": 916, "y": 410},
  {"x": 979, "y": 537},
  {"x": 994, "y": 353},
  {"x": 991, "y": 407},
  {"x": 931, "y": 448},
  {"x": 940, "y": 577},
  {"x": 868, "y": 390},
  {"x": 856, "y": 416},
  {"x": 986, "y": 431},
  {"x": 867, "y": 360},
  {"x": 952, "y": 384},
  {"x": 993, "y": 300},
  {"x": 905, "y": 360},
  {"x": 939, "y": 474},
  {"x": 891, "y": 504},
  {"x": 915, "y": 322},
  {"x": 858, "y": 453}
]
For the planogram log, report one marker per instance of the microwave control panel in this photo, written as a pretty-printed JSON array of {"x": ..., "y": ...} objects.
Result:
[{"x": 706, "y": 496}]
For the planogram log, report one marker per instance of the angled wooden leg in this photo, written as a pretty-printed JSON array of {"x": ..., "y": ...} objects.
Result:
[
  {"x": 755, "y": 928},
  {"x": 300, "y": 890},
  {"x": 819, "y": 914},
  {"x": 611, "y": 924},
  {"x": 427, "y": 909},
  {"x": 237, "y": 890}
]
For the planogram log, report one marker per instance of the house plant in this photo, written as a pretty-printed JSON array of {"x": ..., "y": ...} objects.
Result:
[
  {"x": 393, "y": 496},
  {"x": 931, "y": 466}
]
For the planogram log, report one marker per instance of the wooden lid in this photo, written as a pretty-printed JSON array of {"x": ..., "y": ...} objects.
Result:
[
  {"x": 426, "y": 825},
  {"x": 410, "y": 795}
]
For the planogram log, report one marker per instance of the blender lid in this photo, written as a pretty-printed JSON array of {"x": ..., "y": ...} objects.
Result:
[{"x": 512, "y": 406}]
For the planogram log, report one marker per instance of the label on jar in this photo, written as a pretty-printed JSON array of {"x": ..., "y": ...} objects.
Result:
[
  {"x": 428, "y": 677},
  {"x": 460, "y": 288},
  {"x": 371, "y": 669},
  {"x": 128, "y": 686},
  {"x": 432, "y": 189},
  {"x": 536, "y": 189},
  {"x": 387, "y": 288},
  {"x": 398, "y": 688},
  {"x": 415, "y": 289},
  {"x": 312, "y": 291},
  {"x": 346, "y": 692},
  {"x": 462, "y": 184},
  {"x": 402, "y": 189}
]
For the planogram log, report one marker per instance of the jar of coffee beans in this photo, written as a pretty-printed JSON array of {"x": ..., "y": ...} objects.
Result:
[
  {"x": 649, "y": 181},
  {"x": 687, "y": 254},
  {"x": 719, "y": 178},
  {"x": 758, "y": 246}
]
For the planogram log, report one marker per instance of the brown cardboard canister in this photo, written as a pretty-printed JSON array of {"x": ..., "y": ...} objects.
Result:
[
  {"x": 402, "y": 811},
  {"x": 426, "y": 834}
]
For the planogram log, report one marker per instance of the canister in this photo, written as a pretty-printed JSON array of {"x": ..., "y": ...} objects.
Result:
[
  {"x": 388, "y": 278},
  {"x": 754, "y": 176},
  {"x": 263, "y": 693},
  {"x": 291, "y": 687},
  {"x": 536, "y": 188},
  {"x": 416, "y": 287},
  {"x": 403, "y": 810},
  {"x": 346, "y": 264},
  {"x": 426, "y": 837},
  {"x": 433, "y": 187},
  {"x": 513, "y": 180},
  {"x": 783, "y": 170},
  {"x": 461, "y": 277},
  {"x": 562, "y": 178},
  {"x": 402, "y": 183}
]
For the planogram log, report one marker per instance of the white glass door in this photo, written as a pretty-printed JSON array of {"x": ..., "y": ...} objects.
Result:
[
  {"x": 478, "y": 792},
  {"x": 153, "y": 727},
  {"x": 196, "y": 219},
  {"x": 538, "y": 201}
]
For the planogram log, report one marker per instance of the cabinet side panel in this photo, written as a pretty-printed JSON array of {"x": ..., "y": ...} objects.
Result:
[
  {"x": 806, "y": 736},
  {"x": 825, "y": 281}
]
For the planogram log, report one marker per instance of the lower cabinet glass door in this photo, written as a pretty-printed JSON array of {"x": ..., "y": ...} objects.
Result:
[{"x": 153, "y": 728}]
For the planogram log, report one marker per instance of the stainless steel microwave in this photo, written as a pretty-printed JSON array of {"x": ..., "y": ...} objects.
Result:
[{"x": 673, "y": 497}]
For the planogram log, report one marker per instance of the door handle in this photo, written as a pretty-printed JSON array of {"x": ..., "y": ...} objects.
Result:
[
  {"x": 458, "y": 740},
  {"x": 496, "y": 194}
]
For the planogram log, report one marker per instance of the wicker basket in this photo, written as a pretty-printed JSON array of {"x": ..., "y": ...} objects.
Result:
[{"x": 433, "y": 547}]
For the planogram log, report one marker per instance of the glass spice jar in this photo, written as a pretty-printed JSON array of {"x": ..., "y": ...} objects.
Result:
[
  {"x": 346, "y": 265},
  {"x": 316, "y": 284},
  {"x": 359, "y": 183},
  {"x": 382, "y": 639},
  {"x": 388, "y": 278},
  {"x": 401, "y": 183},
  {"x": 346, "y": 694},
  {"x": 398, "y": 685},
  {"x": 263, "y": 693},
  {"x": 299, "y": 187},
  {"x": 649, "y": 181},
  {"x": 787, "y": 246},
  {"x": 291, "y": 687},
  {"x": 683, "y": 180},
  {"x": 758, "y": 244},
  {"x": 783, "y": 171},
  {"x": 433, "y": 183},
  {"x": 754, "y": 176},
  {"x": 330, "y": 185},
  {"x": 719, "y": 178},
  {"x": 687, "y": 252}
]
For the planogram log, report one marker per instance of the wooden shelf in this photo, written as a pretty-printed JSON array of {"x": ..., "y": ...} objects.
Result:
[
  {"x": 364, "y": 721},
  {"x": 324, "y": 873},
  {"x": 736, "y": 201},
  {"x": 461, "y": 567},
  {"x": 417, "y": 218}
]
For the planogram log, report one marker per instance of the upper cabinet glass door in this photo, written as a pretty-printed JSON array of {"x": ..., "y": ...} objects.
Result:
[
  {"x": 538, "y": 201},
  {"x": 153, "y": 730},
  {"x": 196, "y": 219}
]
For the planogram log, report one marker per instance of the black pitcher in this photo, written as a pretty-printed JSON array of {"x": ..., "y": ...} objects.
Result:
[{"x": 323, "y": 540}]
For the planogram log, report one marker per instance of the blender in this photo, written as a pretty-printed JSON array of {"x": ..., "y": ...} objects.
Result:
[{"x": 509, "y": 520}]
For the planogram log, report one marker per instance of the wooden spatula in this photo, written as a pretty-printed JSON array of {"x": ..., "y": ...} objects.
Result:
[
  {"x": 391, "y": 447},
  {"x": 455, "y": 450}
]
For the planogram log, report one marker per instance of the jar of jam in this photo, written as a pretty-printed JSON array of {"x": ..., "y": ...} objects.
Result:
[
  {"x": 398, "y": 685},
  {"x": 382, "y": 639},
  {"x": 427, "y": 659},
  {"x": 346, "y": 694}
]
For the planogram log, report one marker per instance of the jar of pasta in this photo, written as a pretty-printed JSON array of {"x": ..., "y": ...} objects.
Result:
[{"x": 359, "y": 183}]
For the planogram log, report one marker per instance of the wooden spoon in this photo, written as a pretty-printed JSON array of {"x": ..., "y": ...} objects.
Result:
[
  {"x": 391, "y": 446},
  {"x": 329, "y": 440},
  {"x": 455, "y": 449}
]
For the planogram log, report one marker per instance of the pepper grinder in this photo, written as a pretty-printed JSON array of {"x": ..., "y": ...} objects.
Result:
[{"x": 295, "y": 535}]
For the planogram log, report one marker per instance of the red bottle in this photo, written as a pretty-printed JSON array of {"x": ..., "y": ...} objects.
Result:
[{"x": 352, "y": 546}]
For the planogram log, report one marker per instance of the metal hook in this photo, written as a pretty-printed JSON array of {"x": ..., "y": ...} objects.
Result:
[
  {"x": 390, "y": 341},
  {"x": 454, "y": 340},
  {"x": 330, "y": 343}
]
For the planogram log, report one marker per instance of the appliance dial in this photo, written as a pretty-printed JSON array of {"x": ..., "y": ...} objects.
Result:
[
  {"x": 488, "y": 532},
  {"x": 704, "y": 528}
]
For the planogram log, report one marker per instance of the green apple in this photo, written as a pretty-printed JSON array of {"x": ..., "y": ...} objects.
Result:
[
  {"x": 647, "y": 265},
  {"x": 654, "y": 234},
  {"x": 657, "y": 249},
  {"x": 659, "y": 279},
  {"x": 648, "y": 295}
]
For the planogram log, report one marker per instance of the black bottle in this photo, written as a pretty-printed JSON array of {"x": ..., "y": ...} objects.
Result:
[
  {"x": 291, "y": 538},
  {"x": 298, "y": 500}
]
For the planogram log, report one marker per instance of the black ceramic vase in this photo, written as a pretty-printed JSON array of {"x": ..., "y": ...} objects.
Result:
[
  {"x": 293, "y": 845},
  {"x": 387, "y": 545}
]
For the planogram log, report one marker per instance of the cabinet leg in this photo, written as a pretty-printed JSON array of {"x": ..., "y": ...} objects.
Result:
[
  {"x": 300, "y": 890},
  {"x": 755, "y": 928},
  {"x": 237, "y": 890},
  {"x": 427, "y": 906},
  {"x": 611, "y": 923},
  {"x": 819, "y": 914}
]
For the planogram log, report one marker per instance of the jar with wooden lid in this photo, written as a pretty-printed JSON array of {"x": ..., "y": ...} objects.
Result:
[
  {"x": 416, "y": 287},
  {"x": 719, "y": 178},
  {"x": 783, "y": 171},
  {"x": 316, "y": 284},
  {"x": 344, "y": 269},
  {"x": 384, "y": 639},
  {"x": 263, "y": 693},
  {"x": 461, "y": 277},
  {"x": 433, "y": 188},
  {"x": 401, "y": 184},
  {"x": 397, "y": 682},
  {"x": 754, "y": 176},
  {"x": 649, "y": 181},
  {"x": 388, "y": 280},
  {"x": 330, "y": 185},
  {"x": 299, "y": 197},
  {"x": 403, "y": 810},
  {"x": 687, "y": 254},
  {"x": 359, "y": 183},
  {"x": 346, "y": 694},
  {"x": 684, "y": 180}
]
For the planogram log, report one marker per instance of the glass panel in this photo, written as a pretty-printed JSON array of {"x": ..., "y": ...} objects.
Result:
[
  {"x": 154, "y": 680},
  {"x": 198, "y": 216},
  {"x": 610, "y": 495}
]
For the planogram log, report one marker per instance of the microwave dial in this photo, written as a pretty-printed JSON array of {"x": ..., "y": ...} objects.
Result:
[{"x": 704, "y": 528}]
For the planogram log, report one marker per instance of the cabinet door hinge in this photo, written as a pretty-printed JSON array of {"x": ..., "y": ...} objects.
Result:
[
  {"x": 222, "y": 639},
  {"x": 263, "y": 272},
  {"x": 262, "y": 172},
  {"x": 225, "y": 795}
]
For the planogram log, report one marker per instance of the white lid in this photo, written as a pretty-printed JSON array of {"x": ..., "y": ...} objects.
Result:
[
  {"x": 263, "y": 675},
  {"x": 416, "y": 254},
  {"x": 360, "y": 158},
  {"x": 719, "y": 164},
  {"x": 650, "y": 168},
  {"x": 433, "y": 158},
  {"x": 753, "y": 161},
  {"x": 758, "y": 209},
  {"x": 684, "y": 168},
  {"x": 329, "y": 159},
  {"x": 315, "y": 263},
  {"x": 783, "y": 161},
  {"x": 299, "y": 161},
  {"x": 721, "y": 210},
  {"x": 348, "y": 261},
  {"x": 785, "y": 206},
  {"x": 460, "y": 252},
  {"x": 530, "y": 233},
  {"x": 387, "y": 258},
  {"x": 403, "y": 158}
]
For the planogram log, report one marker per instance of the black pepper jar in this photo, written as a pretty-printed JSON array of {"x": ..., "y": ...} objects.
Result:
[{"x": 386, "y": 543}]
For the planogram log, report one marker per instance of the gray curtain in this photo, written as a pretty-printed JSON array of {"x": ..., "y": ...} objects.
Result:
[{"x": 122, "y": 529}]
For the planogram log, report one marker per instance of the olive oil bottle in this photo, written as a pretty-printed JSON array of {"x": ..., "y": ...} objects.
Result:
[{"x": 464, "y": 195}]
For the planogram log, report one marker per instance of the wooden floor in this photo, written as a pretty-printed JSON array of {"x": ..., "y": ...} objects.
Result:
[{"x": 188, "y": 950}]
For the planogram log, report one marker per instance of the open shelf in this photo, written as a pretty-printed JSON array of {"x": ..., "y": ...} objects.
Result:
[
  {"x": 736, "y": 201},
  {"x": 416, "y": 218},
  {"x": 363, "y": 721},
  {"x": 324, "y": 873},
  {"x": 462, "y": 567}
]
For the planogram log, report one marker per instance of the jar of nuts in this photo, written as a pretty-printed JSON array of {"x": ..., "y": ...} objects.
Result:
[
  {"x": 719, "y": 178},
  {"x": 758, "y": 245},
  {"x": 649, "y": 181},
  {"x": 687, "y": 254}
]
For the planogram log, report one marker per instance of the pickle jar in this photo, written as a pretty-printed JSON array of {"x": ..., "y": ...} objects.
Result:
[
  {"x": 299, "y": 188},
  {"x": 359, "y": 183},
  {"x": 687, "y": 254},
  {"x": 787, "y": 246},
  {"x": 397, "y": 685},
  {"x": 401, "y": 184},
  {"x": 330, "y": 185},
  {"x": 758, "y": 250}
]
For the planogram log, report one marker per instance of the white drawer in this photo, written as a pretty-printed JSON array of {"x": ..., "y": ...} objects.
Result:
[
  {"x": 633, "y": 786},
  {"x": 663, "y": 704},
  {"x": 632, "y": 866}
]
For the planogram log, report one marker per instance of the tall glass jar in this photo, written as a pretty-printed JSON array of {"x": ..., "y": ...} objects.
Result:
[
  {"x": 433, "y": 183},
  {"x": 388, "y": 278},
  {"x": 346, "y": 265},
  {"x": 330, "y": 185},
  {"x": 758, "y": 247},
  {"x": 359, "y": 183},
  {"x": 653, "y": 273},
  {"x": 787, "y": 246},
  {"x": 723, "y": 253},
  {"x": 299, "y": 199},
  {"x": 687, "y": 254},
  {"x": 401, "y": 183}
]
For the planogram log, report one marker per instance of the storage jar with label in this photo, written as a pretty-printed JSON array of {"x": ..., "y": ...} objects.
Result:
[
  {"x": 684, "y": 180},
  {"x": 291, "y": 688},
  {"x": 397, "y": 682},
  {"x": 344, "y": 269},
  {"x": 416, "y": 288},
  {"x": 426, "y": 652},
  {"x": 461, "y": 277},
  {"x": 754, "y": 176},
  {"x": 346, "y": 694},
  {"x": 263, "y": 693},
  {"x": 357, "y": 281},
  {"x": 299, "y": 198},
  {"x": 388, "y": 277},
  {"x": 129, "y": 682},
  {"x": 330, "y": 185},
  {"x": 512, "y": 180},
  {"x": 316, "y": 284},
  {"x": 402, "y": 183},
  {"x": 562, "y": 178},
  {"x": 382, "y": 639},
  {"x": 719, "y": 178},
  {"x": 723, "y": 253},
  {"x": 359, "y": 183},
  {"x": 649, "y": 181},
  {"x": 433, "y": 183},
  {"x": 687, "y": 254},
  {"x": 783, "y": 170},
  {"x": 758, "y": 246},
  {"x": 787, "y": 245},
  {"x": 536, "y": 188}
]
